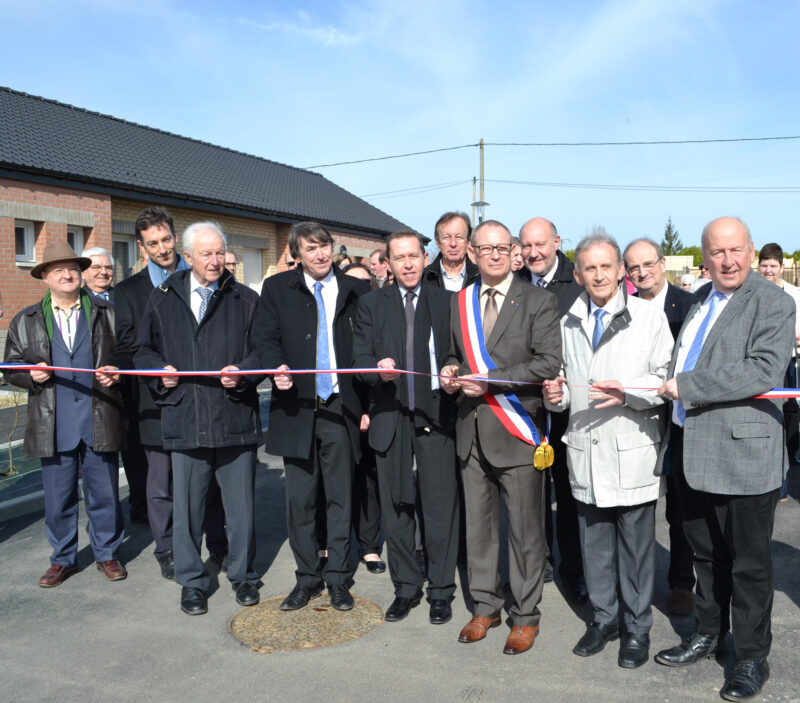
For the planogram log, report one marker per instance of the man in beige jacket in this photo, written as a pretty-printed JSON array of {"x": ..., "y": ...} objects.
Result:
[{"x": 614, "y": 432}]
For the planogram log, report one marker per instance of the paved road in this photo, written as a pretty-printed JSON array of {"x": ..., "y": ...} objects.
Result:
[{"x": 91, "y": 640}]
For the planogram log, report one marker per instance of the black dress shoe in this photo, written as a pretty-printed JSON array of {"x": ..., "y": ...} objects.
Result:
[
  {"x": 441, "y": 612},
  {"x": 689, "y": 651},
  {"x": 246, "y": 593},
  {"x": 595, "y": 638},
  {"x": 340, "y": 597},
  {"x": 401, "y": 607},
  {"x": 300, "y": 596},
  {"x": 747, "y": 679},
  {"x": 576, "y": 590},
  {"x": 375, "y": 567},
  {"x": 634, "y": 651},
  {"x": 193, "y": 601},
  {"x": 167, "y": 564}
]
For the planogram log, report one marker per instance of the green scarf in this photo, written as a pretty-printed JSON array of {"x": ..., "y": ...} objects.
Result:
[{"x": 47, "y": 310}]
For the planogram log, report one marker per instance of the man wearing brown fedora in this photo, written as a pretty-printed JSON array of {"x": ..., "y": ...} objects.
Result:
[{"x": 74, "y": 418}]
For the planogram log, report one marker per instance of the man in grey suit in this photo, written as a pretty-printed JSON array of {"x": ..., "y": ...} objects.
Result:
[
  {"x": 728, "y": 452},
  {"x": 513, "y": 330}
]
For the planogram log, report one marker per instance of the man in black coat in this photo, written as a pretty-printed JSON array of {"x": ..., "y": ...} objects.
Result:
[
  {"x": 196, "y": 320},
  {"x": 548, "y": 268},
  {"x": 155, "y": 234},
  {"x": 305, "y": 320},
  {"x": 452, "y": 269},
  {"x": 407, "y": 326},
  {"x": 644, "y": 263}
]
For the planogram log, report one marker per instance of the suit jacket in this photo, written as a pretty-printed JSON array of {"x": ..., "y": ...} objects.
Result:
[
  {"x": 380, "y": 334},
  {"x": 525, "y": 345},
  {"x": 677, "y": 304},
  {"x": 563, "y": 284},
  {"x": 130, "y": 301},
  {"x": 734, "y": 444},
  {"x": 94, "y": 295},
  {"x": 285, "y": 332}
]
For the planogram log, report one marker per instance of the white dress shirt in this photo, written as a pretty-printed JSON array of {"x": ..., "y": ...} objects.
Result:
[
  {"x": 454, "y": 284},
  {"x": 195, "y": 298},
  {"x": 330, "y": 292},
  {"x": 431, "y": 347}
]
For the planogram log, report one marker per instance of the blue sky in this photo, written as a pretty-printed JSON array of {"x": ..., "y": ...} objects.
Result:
[{"x": 310, "y": 83}]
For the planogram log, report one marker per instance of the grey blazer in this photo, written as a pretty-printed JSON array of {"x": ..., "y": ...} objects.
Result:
[{"x": 733, "y": 444}]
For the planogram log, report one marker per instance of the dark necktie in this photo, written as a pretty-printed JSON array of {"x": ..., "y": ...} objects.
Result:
[
  {"x": 410, "y": 346},
  {"x": 489, "y": 313}
]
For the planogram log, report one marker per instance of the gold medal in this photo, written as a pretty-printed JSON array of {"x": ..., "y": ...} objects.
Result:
[{"x": 543, "y": 457}]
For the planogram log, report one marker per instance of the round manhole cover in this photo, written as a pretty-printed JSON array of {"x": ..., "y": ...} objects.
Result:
[{"x": 266, "y": 628}]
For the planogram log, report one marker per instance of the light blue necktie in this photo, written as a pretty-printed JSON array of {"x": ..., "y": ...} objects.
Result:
[
  {"x": 599, "y": 326},
  {"x": 697, "y": 347},
  {"x": 205, "y": 294},
  {"x": 324, "y": 380}
]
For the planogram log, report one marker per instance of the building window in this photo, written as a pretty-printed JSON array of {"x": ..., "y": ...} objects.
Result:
[
  {"x": 75, "y": 239},
  {"x": 124, "y": 252},
  {"x": 24, "y": 240}
]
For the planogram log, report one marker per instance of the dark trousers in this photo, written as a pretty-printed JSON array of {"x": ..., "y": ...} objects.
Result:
[
  {"x": 329, "y": 469},
  {"x": 193, "y": 471},
  {"x": 522, "y": 490},
  {"x": 566, "y": 534},
  {"x": 366, "y": 503},
  {"x": 100, "y": 473},
  {"x": 619, "y": 545},
  {"x": 159, "y": 506},
  {"x": 134, "y": 461},
  {"x": 437, "y": 498},
  {"x": 680, "y": 573},
  {"x": 730, "y": 536}
]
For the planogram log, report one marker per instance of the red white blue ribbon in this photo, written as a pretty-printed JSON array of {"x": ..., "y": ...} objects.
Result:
[{"x": 506, "y": 406}]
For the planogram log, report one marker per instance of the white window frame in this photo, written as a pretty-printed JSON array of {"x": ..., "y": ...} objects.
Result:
[
  {"x": 29, "y": 240},
  {"x": 77, "y": 234}
]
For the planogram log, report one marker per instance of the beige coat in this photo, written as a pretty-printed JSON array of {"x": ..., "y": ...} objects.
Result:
[{"x": 612, "y": 452}]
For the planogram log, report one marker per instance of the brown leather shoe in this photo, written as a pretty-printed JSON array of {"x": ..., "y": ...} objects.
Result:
[
  {"x": 113, "y": 570},
  {"x": 520, "y": 639},
  {"x": 680, "y": 601},
  {"x": 56, "y": 574},
  {"x": 476, "y": 628}
]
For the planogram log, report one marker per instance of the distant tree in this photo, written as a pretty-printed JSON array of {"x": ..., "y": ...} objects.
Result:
[
  {"x": 796, "y": 254},
  {"x": 597, "y": 229},
  {"x": 695, "y": 252},
  {"x": 570, "y": 254},
  {"x": 671, "y": 244}
]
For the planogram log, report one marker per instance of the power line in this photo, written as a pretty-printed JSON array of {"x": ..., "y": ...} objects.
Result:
[
  {"x": 417, "y": 189},
  {"x": 677, "y": 189},
  {"x": 660, "y": 142}
]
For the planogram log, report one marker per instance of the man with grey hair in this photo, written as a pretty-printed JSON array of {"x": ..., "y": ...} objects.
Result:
[
  {"x": 646, "y": 268},
  {"x": 614, "y": 347},
  {"x": 98, "y": 279},
  {"x": 202, "y": 319},
  {"x": 728, "y": 452}
]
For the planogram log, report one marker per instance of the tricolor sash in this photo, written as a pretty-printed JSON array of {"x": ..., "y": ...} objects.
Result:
[{"x": 506, "y": 406}]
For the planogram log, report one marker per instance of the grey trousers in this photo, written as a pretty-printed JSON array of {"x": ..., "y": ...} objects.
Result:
[
  {"x": 522, "y": 490},
  {"x": 618, "y": 545},
  {"x": 234, "y": 470}
]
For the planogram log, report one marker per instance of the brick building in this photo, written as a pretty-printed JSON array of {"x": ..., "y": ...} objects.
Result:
[{"x": 68, "y": 173}]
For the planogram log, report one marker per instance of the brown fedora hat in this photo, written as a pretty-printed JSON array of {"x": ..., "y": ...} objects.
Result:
[{"x": 59, "y": 251}]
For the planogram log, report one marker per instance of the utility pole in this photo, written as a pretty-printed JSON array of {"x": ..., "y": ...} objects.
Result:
[
  {"x": 474, "y": 185},
  {"x": 481, "y": 204}
]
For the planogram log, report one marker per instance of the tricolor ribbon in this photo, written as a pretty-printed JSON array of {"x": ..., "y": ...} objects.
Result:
[{"x": 506, "y": 406}]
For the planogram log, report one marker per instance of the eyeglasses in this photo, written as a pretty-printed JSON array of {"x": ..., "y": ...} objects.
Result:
[
  {"x": 460, "y": 238},
  {"x": 487, "y": 249},
  {"x": 644, "y": 268}
]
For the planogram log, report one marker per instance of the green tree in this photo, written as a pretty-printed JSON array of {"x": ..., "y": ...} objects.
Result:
[
  {"x": 671, "y": 244},
  {"x": 695, "y": 252},
  {"x": 570, "y": 254}
]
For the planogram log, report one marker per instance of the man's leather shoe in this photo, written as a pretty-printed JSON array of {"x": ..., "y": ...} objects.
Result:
[
  {"x": 375, "y": 567},
  {"x": 340, "y": 597},
  {"x": 476, "y": 628},
  {"x": 246, "y": 593},
  {"x": 595, "y": 638},
  {"x": 520, "y": 639},
  {"x": 576, "y": 590},
  {"x": 401, "y": 607},
  {"x": 689, "y": 651},
  {"x": 680, "y": 601},
  {"x": 441, "y": 612},
  {"x": 56, "y": 575},
  {"x": 634, "y": 651},
  {"x": 193, "y": 601},
  {"x": 112, "y": 569},
  {"x": 747, "y": 679},
  {"x": 167, "y": 564},
  {"x": 300, "y": 596}
]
